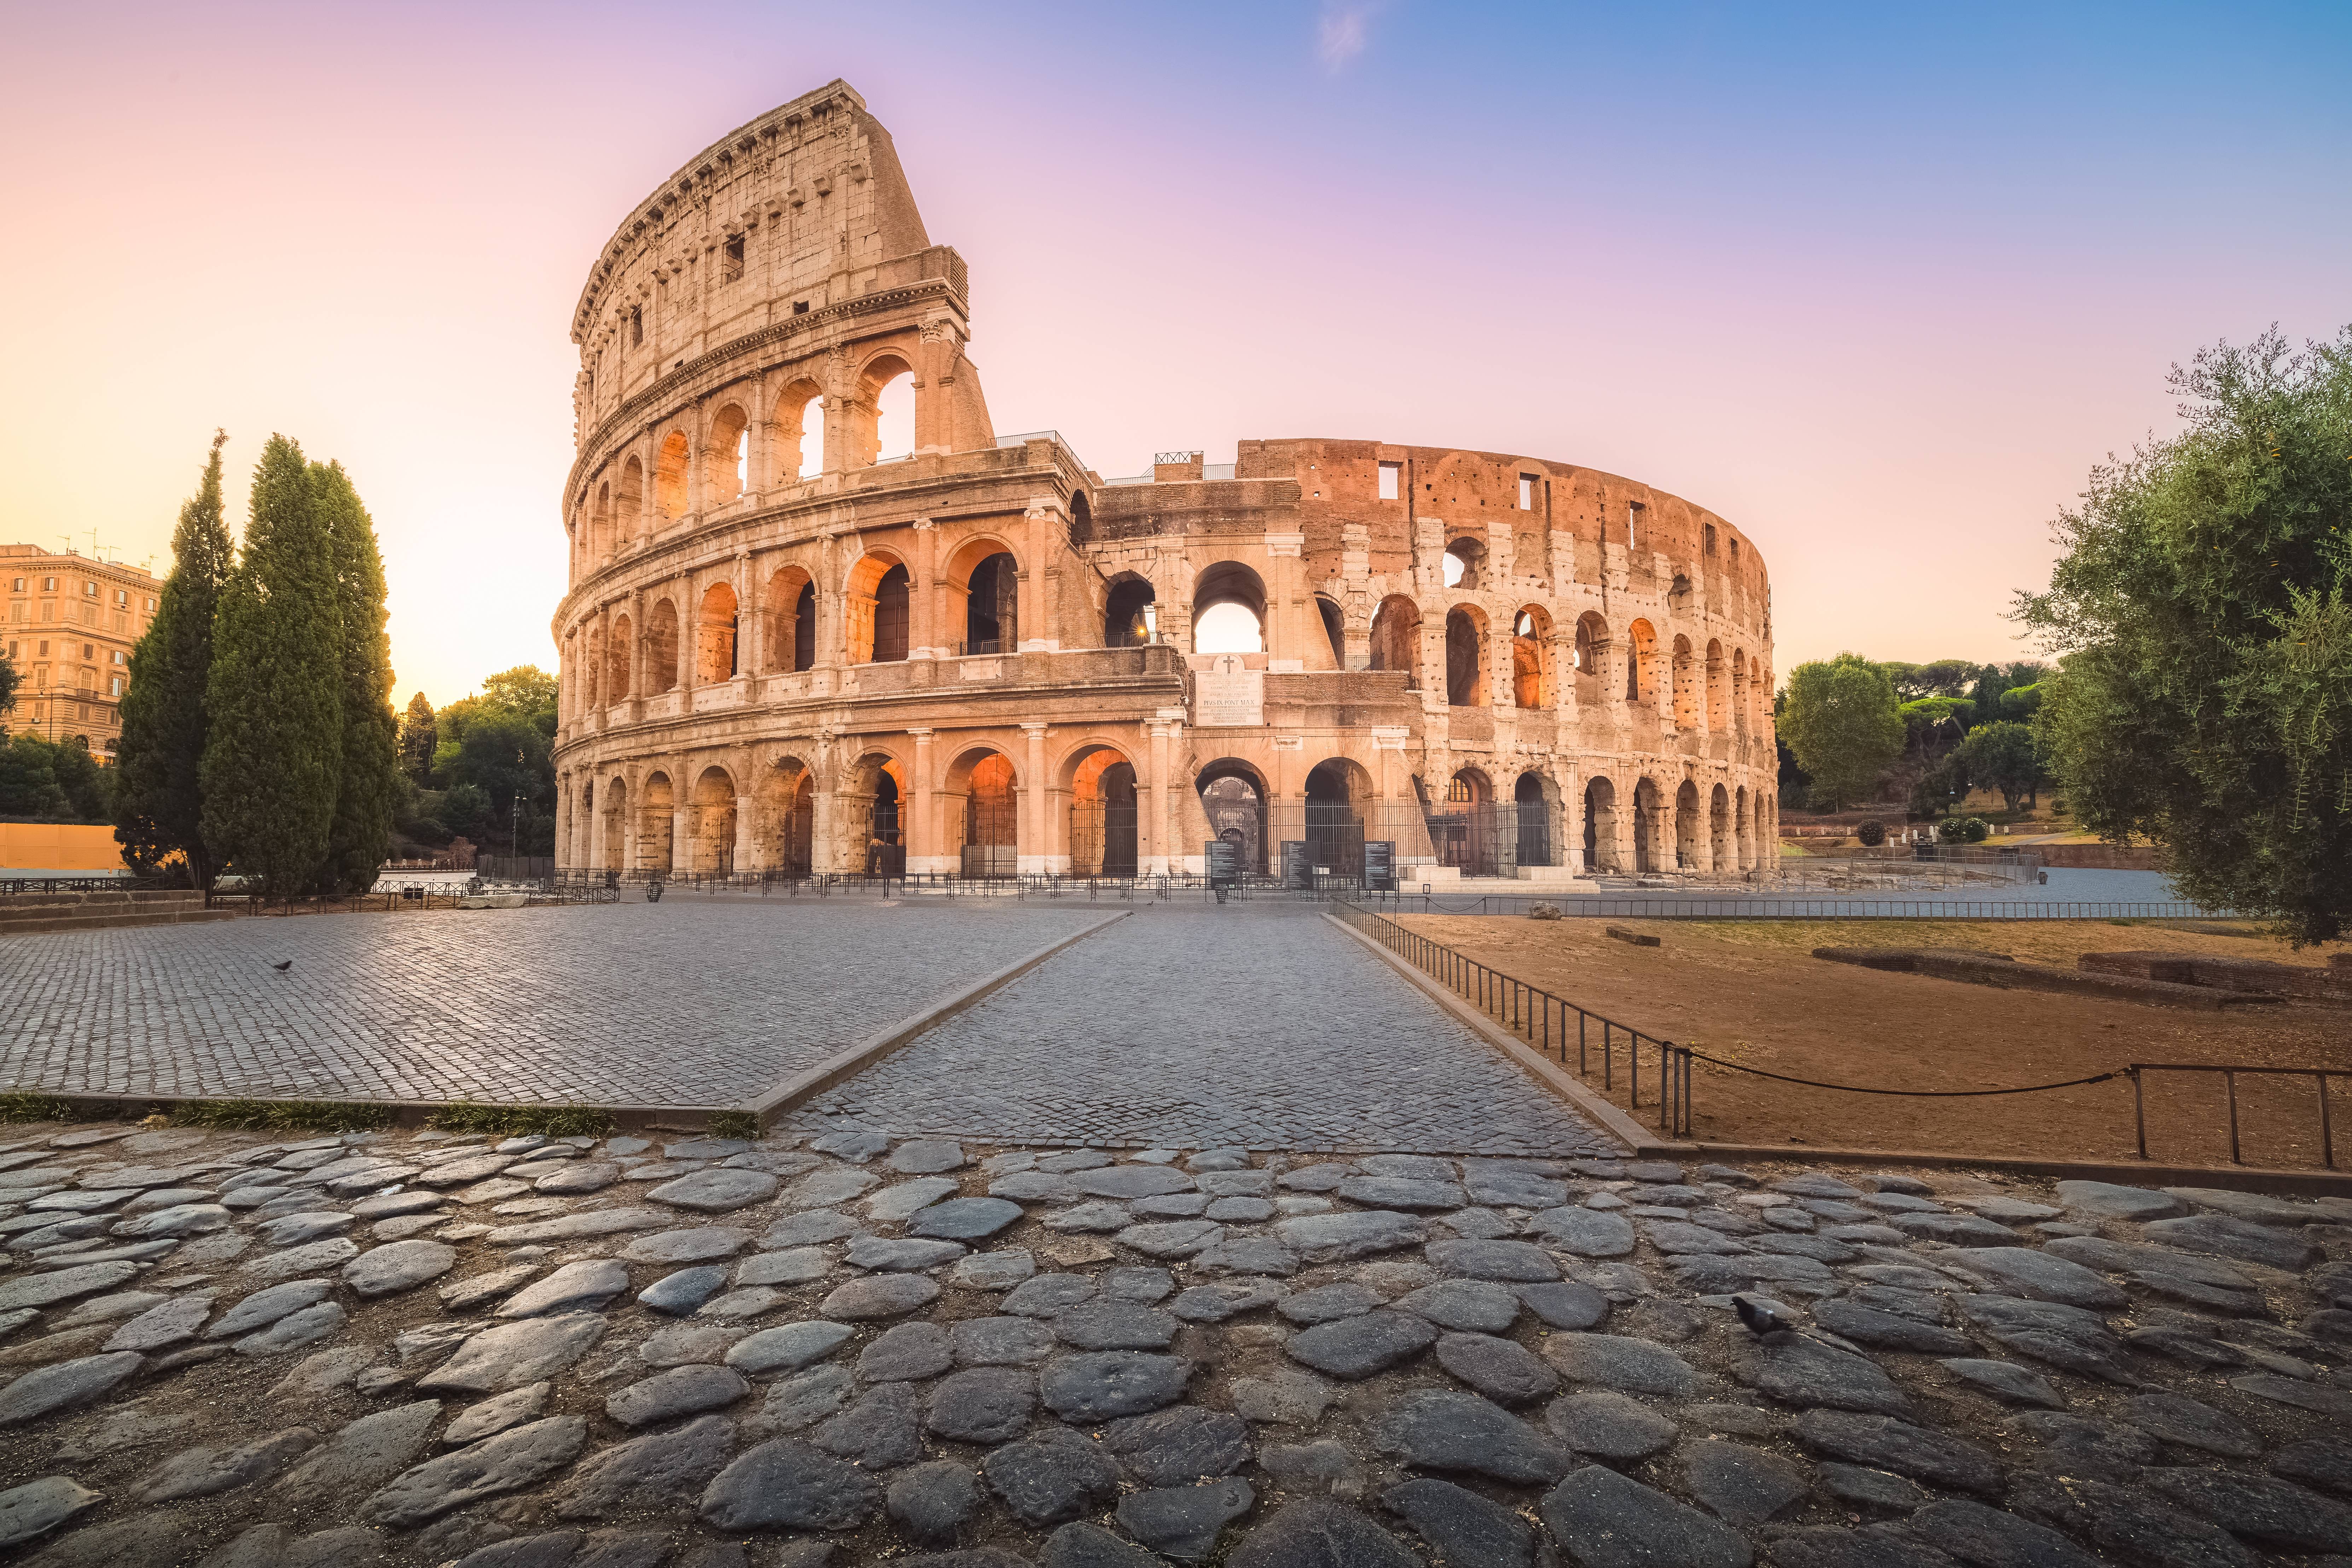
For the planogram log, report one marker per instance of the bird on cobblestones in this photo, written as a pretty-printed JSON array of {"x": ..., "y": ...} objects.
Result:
[
  {"x": 1760, "y": 1319},
  {"x": 283, "y": 967}
]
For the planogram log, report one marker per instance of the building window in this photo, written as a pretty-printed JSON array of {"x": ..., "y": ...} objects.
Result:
[
  {"x": 121, "y": 600},
  {"x": 1390, "y": 476},
  {"x": 1633, "y": 527},
  {"x": 49, "y": 584},
  {"x": 150, "y": 604},
  {"x": 1527, "y": 492},
  {"x": 48, "y": 609},
  {"x": 1735, "y": 550},
  {"x": 17, "y": 586},
  {"x": 636, "y": 325},
  {"x": 89, "y": 590},
  {"x": 730, "y": 260},
  {"x": 120, "y": 657}
]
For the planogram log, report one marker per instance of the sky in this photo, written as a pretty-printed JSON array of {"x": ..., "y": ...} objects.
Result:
[{"x": 1879, "y": 284}]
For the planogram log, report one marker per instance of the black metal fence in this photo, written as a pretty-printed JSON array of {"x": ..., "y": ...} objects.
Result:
[
  {"x": 1758, "y": 906},
  {"x": 2229, "y": 1076}
]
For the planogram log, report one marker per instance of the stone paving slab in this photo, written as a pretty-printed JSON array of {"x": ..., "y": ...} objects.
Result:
[
  {"x": 686, "y": 1002},
  {"x": 601, "y": 1378},
  {"x": 1258, "y": 1025}
]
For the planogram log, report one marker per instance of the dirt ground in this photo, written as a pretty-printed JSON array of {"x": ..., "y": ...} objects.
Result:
[{"x": 1750, "y": 992}]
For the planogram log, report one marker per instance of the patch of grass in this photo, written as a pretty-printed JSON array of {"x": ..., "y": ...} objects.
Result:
[
  {"x": 734, "y": 1124},
  {"x": 279, "y": 1116},
  {"x": 26, "y": 1107},
  {"x": 514, "y": 1120}
]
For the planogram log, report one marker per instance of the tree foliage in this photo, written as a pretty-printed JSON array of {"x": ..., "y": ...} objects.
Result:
[
  {"x": 158, "y": 791},
  {"x": 52, "y": 781},
  {"x": 2004, "y": 756},
  {"x": 417, "y": 738},
  {"x": 2205, "y": 699},
  {"x": 275, "y": 698},
  {"x": 1842, "y": 724},
  {"x": 10, "y": 678},
  {"x": 361, "y": 837}
]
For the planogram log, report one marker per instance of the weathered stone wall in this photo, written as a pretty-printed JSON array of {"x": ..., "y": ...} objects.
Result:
[{"x": 771, "y": 656}]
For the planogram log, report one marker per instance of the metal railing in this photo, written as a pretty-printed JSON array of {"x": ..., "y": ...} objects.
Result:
[
  {"x": 2229, "y": 1074},
  {"x": 1698, "y": 906},
  {"x": 1528, "y": 1011}
]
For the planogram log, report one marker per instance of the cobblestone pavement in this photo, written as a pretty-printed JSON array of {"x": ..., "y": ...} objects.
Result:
[
  {"x": 683, "y": 1002},
  {"x": 395, "y": 1351},
  {"x": 1261, "y": 1026}
]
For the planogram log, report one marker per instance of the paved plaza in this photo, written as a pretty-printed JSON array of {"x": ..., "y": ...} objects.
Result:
[
  {"x": 687, "y": 1002},
  {"x": 1261, "y": 1024}
]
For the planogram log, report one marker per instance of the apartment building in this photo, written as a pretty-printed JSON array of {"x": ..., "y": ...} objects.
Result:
[{"x": 70, "y": 623}]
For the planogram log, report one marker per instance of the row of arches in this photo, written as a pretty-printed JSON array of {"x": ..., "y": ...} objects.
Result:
[{"x": 703, "y": 462}]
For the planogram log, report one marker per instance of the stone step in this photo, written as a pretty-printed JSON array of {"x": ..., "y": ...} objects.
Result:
[{"x": 32, "y": 925}]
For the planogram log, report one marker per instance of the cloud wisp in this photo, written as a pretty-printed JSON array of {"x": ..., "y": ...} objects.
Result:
[{"x": 1343, "y": 31}]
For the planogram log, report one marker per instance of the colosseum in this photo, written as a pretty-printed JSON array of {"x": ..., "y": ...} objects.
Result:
[{"x": 824, "y": 619}]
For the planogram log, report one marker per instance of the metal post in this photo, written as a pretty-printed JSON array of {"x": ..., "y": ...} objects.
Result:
[
  {"x": 1666, "y": 1061},
  {"x": 1606, "y": 1066},
  {"x": 1581, "y": 1020},
  {"x": 2139, "y": 1110},
  {"x": 2230, "y": 1080},
  {"x": 2327, "y": 1127},
  {"x": 1632, "y": 1069}
]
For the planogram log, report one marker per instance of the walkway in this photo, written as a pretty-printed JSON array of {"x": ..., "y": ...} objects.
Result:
[{"x": 1257, "y": 1025}]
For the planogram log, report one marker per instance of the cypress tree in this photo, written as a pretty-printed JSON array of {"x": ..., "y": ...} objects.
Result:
[
  {"x": 418, "y": 736},
  {"x": 360, "y": 838},
  {"x": 274, "y": 756},
  {"x": 158, "y": 801}
]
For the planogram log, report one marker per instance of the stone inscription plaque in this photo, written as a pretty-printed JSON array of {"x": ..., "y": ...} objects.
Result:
[{"x": 1228, "y": 697}]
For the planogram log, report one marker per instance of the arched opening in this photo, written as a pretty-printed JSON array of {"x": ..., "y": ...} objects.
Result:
[
  {"x": 1718, "y": 690},
  {"x": 1537, "y": 802},
  {"x": 656, "y": 819},
  {"x": 983, "y": 815},
  {"x": 629, "y": 503},
  {"x": 1742, "y": 678},
  {"x": 1233, "y": 797},
  {"x": 615, "y": 797},
  {"x": 1531, "y": 659},
  {"x": 885, "y": 419},
  {"x": 786, "y": 820},
  {"x": 714, "y": 637},
  {"x": 713, "y": 848},
  {"x": 1337, "y": 792},
  {"x": 1102, "y": 814},
  {"x": 1724, "y": 852},
  {"x": 1228, "y": 610},
  {"x": 1334, "y": 631},
  {"x": 1131, "y": 619},
  {"x": 875, "y": 606},
  {"x": 617, "y": 649},
  {"x": 1641, "y": 680},
  {"x": 1465, "y": 657},
  {"x": 1645, "y": 826},
  {"x": 1396, "y": 638},
  {"x": 727, "y": 459},
  {"x": 797, "y": 432},
  {"x": 1465, "y": 565},
  {"x": 661, "y": 647},
  {"x": 1687, "y": 693},
  {"x": 789, "y": 642},
  {"x": 1591, "y": 652},
  {"x": 599, "y": 538},
  {"x": 1464, "y": 829},
  {"x": 871, "y": 804},
  {"x": 992, "y": 604},
  {"x": 1082, "y": 518},
  {"x": 1743, "y": 827},
  {"x": 1600, "y": 826},
  {"x": 670, "y": 466},
  {"x": 1690, "y": 848}
]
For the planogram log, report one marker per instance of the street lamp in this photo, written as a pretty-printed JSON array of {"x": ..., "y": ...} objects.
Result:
[{"x": 514, "y": 828}]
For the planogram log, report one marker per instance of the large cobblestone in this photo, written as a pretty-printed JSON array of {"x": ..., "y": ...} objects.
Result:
[
  {"x": 687, "y": 1002},
  {"x": 1261, "y": 1026}
]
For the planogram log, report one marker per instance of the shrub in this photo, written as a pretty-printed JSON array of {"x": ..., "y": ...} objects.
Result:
[
  {"x": 1961, "y": 830},
  {"x": 1872, "y": 832},
  {"x": 734, "y": 1124}
]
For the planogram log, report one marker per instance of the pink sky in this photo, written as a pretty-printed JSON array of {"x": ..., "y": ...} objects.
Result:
[{"x": 1878, "y": 291}]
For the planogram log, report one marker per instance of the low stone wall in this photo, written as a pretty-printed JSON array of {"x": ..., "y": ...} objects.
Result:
[
  {"x": 2303, "y": 981},
  {"x": 25, "y": 913},
  {"x": 1978, "y": 968}
]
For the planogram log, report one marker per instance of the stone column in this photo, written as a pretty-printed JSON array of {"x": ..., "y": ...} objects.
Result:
[
  {"x": 925, "y": 638},
  {"x": 564, "y": 820},
  {"x": 593, "y": 860},
  {"x": 1034, "y": 854},
  {"x": 746, "y": 849},
  {"x": 1286, "y": 593},
  {"x": 681, "y": 818},
  {"x": 633, "y": 803},
  {"x": 750, "y": 630},
  {"x": 1152, "y": 854},
  {"x": 1044, "y": 519},
  {"x": 922, "y": 832},
  {"x": 637, "y": 654}
]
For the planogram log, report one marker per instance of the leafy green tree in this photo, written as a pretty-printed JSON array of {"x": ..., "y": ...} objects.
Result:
[
  {"x": 10, "y": 678},
  {"x": 1940, "y": 678},
  {"x": 88, "y": 788},
  {"x": 2005, "y": 756},
  {"x": 2205, "y": 699},
  {"x": 28, "y": 780},
  {"x": 360, "y": 838},
  {"x": 501, "y": 742},
  {"x": 275, "y": 698},
  {"x": 1842, "y": 726},
  {"x": 416, "y": 741},
  {"x": 158, "y": 792},
  {"x": 2019, "y": 703}
]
